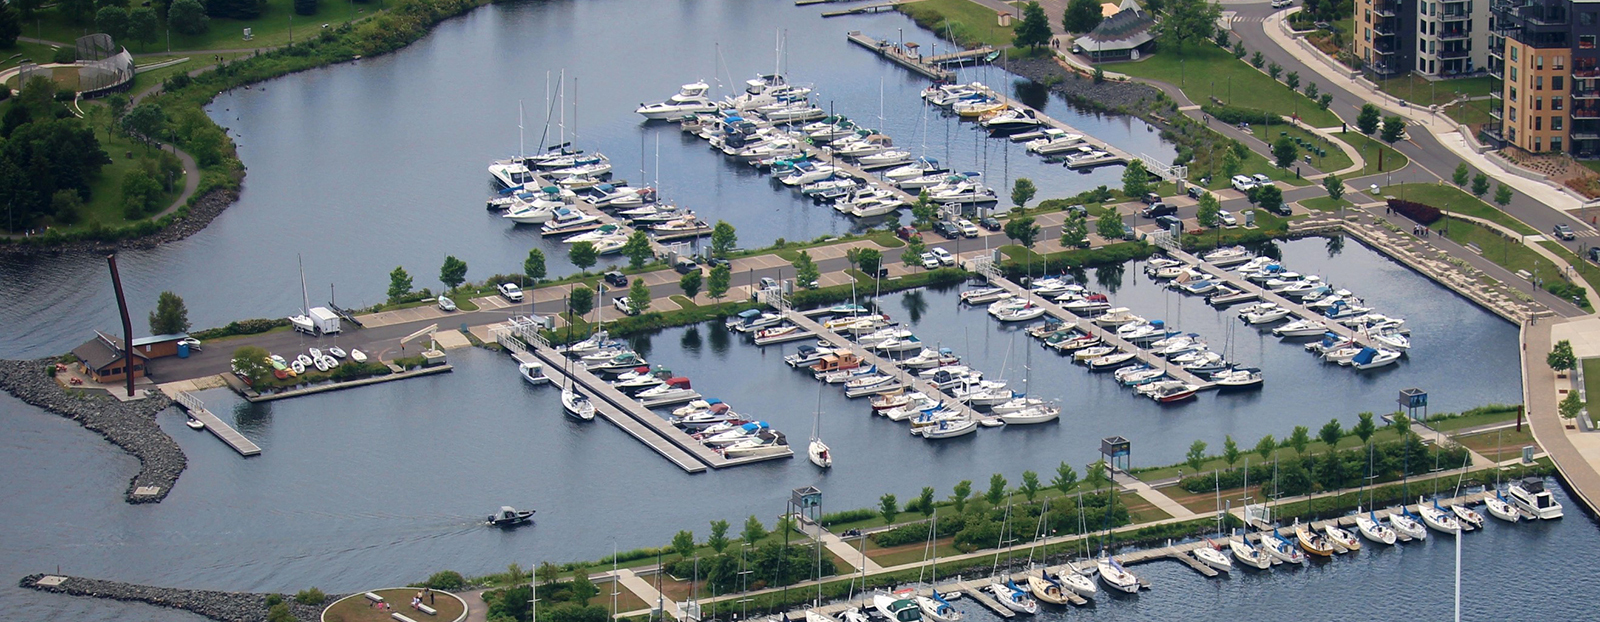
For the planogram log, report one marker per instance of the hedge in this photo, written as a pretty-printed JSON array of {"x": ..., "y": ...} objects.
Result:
[
  {"x": 1234, "y": 115},
  {"x": 1417, "y": 212},
  {"x": 1119, "y": 253},
  {"x": 240, "y": 327}
]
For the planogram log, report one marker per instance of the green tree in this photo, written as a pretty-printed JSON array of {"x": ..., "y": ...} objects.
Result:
[
  {"x": 1364, "y": 428},
  {"x": 251, "y": 364},
  {"x": 637, "y": 249},
  {"x": 719, "y": 282},
  {"x": 1135, "y": 180},
  {"x": 1196, "y": 455},
  {"x": 1274, "y": 70},
  {"x": 1570, "y": 406},
  {"x": 925, "y": 501},
  {"x": 1022, "y": 230},
  {"x": 754, "y": 531},
  {"x": 141, "y": 194},
  {"x": 1258, "y": 60},
  {"x": 1330, "y": 433},
  {"x": 853, "y": 256},
  {"x": 143, "y": 26},
  {"x": 1097, "y": 474},
  {"x": 581, "y": 301},
  {"x": 548, "y": 573},
  {"x": 171, "y": 315},
  {"x": 1208, "y": 216},
  {"x": 305, "y": 7},
  {"x": 1269, "y": 197},
  {"x": 1266, "y": 446},
  {"x": 683, "y": 544},
  {"x": 1022, "y": 191},
  {"x": 280, "y": 613},
  {"x": 1393, "y": 129},
  {"x": 1230, "y": 451},
  {"x": 888, "y": 508},
  {"x": 718, "y": 540},
  {"x": 1324, "y": 100},
  {"x": 1401, "y": 424},
  {"x": 533, "y": 266},
  {"x": 112, "y": 20},
  {"x": 1462, "y": 175},
  {"x": 912, "y": 255},
  {"x": 453, "y": 272},
  {"x": 870, "y": 259},
  {"x": 963, "y": 489},
  {"x": 1480, "y": 185},
  {"x": 1034, "y": 29},
  {"x": 1284, "y": 151},
  {"x": 1311, "y": 90},
  {"x": 1231, "y": 164},
  {"x": 1561, "y": 357},
  {"x": 399, "y": 284},
  {"x": 1293, "y": 80},
  {"x": 583, "y": 255},
  {"x": 582, "y": 588},
  {"x": 188, "y": 17},
  {"x": 1066, "y": 478},
  {"x": 1109, "y": 225},
  {"x": 1367, "y": 121},
  {"x": 805, "y": 270},
  {"x": 690, "y": 284},
  {"x": 1189, "y": 20},
  {"x": 1238, "y": 49},
  {"x": 77, "y": 11},
  {"x": 1030, "y": 485},
  {"x": 638, "y": 297},
  {"x": 1074, "y": 230},
  {"x": 145, "y": 121},
  {"x": 66, "y": 206},
  {"x": 923, "y": 211},
  {"x": 1299, "y": 439},
  {"x": 1502, "y": 195},
  {"x": 723, "y": 239},
  {"x": 1221, "y": 38},
  {"x": 1333, "y": 186},
  {"x": 11, "y": 24},
  {"x": 997, "y": 489},
  {"x": 1081, "y": 16}
]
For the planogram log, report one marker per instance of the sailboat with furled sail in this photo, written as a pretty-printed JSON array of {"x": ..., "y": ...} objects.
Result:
[{"x": 817, "y": 450}]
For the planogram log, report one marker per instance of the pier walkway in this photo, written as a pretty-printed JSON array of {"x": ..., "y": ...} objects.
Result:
[
  {"x": 1108, "y": 336},
  {"x": 214, "y": 424},
  {"x": 1122, "y": 156},
  {"x": 907, "y": 379},
  {"x": 1296, "y": 310}
]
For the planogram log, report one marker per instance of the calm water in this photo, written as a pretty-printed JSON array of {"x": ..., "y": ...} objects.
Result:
[{"x": 364, "y": 166}]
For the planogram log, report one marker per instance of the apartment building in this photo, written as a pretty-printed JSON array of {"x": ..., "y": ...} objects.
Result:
[
  {"x": 1545, "y": 61},
  {"x": 1444, "y": 39}
]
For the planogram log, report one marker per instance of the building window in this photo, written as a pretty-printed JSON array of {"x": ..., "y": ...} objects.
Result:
[
  {"x": 1555, "y": 124},
  {"x": 1586, "y": 18},
  {"x": 1538, "y": 144},
  {"x": 1514, "y": 53},
  {"x": 1561, "y": 62},
  {"x": 1555, "y": 143},
  {"x": 1585, "y": 42},
  {"x": 1538, "y": 61},
  {"x": 1538, "y": 83},
  {"x": 1513, "y": 114},
  {"x": 1556, "y": 103},
  {"x": 1558, "y": 83},
  {"x": 1513, "y": 94},
  {"x": 1538, "y": 103},
  {"x": 1538, "y": 123},
  {"x": 1513, "y": 77}
]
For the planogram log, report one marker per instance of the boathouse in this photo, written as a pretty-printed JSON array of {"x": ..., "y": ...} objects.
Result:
[
  {"x": 1127, "y": 35},
  {"x": 157, "y": 346},
  {"x": 103, "y": 359}
]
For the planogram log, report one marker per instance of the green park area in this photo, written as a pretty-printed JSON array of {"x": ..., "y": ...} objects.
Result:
[
  {"x": 1379, "y": 157},
  {"x": 965, "y": 22},
  {"x": 1204, "y": 71},
  {"x": 273, "y": 24},
  {"x": 1456, "y": 201},
  {"x": 1421, "y": 91}
]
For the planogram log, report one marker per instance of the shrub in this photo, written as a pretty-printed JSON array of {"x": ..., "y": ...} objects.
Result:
[
  {"x": 240, "y": 327},
  {"x": 310, "y": 596},
  {"x": 274, "y": 600},
  {"x": 64, "y": 55},
  {"x": 847, "y": 516},
  {"x": 1234, "y": 115},
  {"x": 1417, "y": 212}
]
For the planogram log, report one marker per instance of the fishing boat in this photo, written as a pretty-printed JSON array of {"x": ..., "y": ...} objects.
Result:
[
  {"x": 1211, "y": 556},
  {"x": 1437, "y": 519},
  {"x": 1046, "y": 589},
  {"x": 576, "y": 405},
  {"x": 897, "y": 609},
  {"x": 1312, "y": 542},
  {"x": 1014, "y": 598},
  {"x": 1341, "y": 537},
  {"x": 509, "y": 516},
  {"x": 1248, "y": 554},
  {"x": 1115, "y": 576},
  {"x": 1530, "y": 495},
  {"x": 1373, "y": 529},
  {"x": 533, "y": 373}
]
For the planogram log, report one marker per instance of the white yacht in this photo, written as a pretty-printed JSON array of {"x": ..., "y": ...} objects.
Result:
[
  {"x": 1530, "y": 495},
  {"x": 691, "y": 99},
  {"x": 533, "y": 373},
  {"x": 1054, "y": 141}
]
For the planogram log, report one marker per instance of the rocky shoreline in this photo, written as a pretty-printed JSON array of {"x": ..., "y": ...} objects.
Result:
[
  {"x": 221, "y": 606},
  {"x": 129, "y": 425},
  {"x": 201, "y": 212},
  {"x": 1112, "y": 96}
]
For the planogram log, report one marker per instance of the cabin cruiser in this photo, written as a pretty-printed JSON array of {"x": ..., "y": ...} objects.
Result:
[
  {"x": 917, "y": 168},
  {"x": 948, "y": 94},
  {"x": 509, "y": 516},
  {"x": 968, "y": 191},
  {"x": 570, "y": 220},
  {"x": 1530, "y": 495},
  {"x": 1371, "y": 358},
  {"x": 533, "y": 373},
  {"x": 1054, "y": 141},
  {"x": 510, "y": 173},
  {"x": 765, "y": 90},
  {"x": 1301, "y": 328},
  {"x": 1263, "y": 313},
  {"x": 871, "y": 203},
  {"x": 690, "y": 99},
  {"x": 1116, "y": 317},
  {"x": 884, "y": 159},
  {"x": 1012, "y": 120}
]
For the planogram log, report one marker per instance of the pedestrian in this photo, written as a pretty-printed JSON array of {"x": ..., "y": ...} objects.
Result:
[{"x": 429, "y": 592}]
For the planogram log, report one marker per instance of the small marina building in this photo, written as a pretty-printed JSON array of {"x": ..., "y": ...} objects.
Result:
[
  {"x": 1126, "y": 35},
  {"x": 103, "y": 359},
  {"x": 157, "y": 346}
]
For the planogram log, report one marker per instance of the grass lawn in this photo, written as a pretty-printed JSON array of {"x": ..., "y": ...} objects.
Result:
[
  {"x": 36, "y": 52},
  {"x": 1500, "y": 444},
  {"x": 1369, "y": 149},
  {"x": 966, "y": 22},
  {"x": 1256, "y": 163},
  {"x": 1456, "y": 200},
  {"x": 1336, "y": 160},
  {"x": 105, "y": 202},
  {"x": 1325, "y": 204},
  {"x": 1591, "y": 382},
  {"x": 1509, "y": 254},
  {"x": 1469, "y": 113},
  {"x": 1383, "y": 434},
  {"x": 908, "y": 553},
  {"x": 1142, "y": 511},
  {"x": 626, "y": 599},
  {"x": 270, "y": 30},
  {"x": 1475, "y": 419},
  {"x": 1424, "y": 92},
  {"x": 1218, "y": 74},
  {"x": 358, "y": 609},
  {"x": 1588, "y": 271},
  {"x": 1206, "y": 502}
]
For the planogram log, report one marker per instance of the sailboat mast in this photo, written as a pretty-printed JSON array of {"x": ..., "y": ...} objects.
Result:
[{"x": 305, "y": 298}]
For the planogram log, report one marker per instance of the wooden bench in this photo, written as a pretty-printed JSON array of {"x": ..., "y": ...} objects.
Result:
[
  {"x": 400, "y": 618},
  {"x": 373, "y": 597},
  {"x": 428, "y": 610},
  {"x": 1473, "y": 246},
  {"x": 1526, "y": 276}
]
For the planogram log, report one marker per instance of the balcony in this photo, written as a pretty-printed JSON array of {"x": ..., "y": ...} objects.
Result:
[
  {"x": 1453, "y": 35},
  {"x": 1586, "y": 112},
  {"x": 1384, "y": 69},
  {"x": 1589, "y": 94},
  {"x": 1585, "y": 72},
  {"x": 1494, "y": 111},
  {"x": 1383, "y": 30},
  {"x": 1385, "y": 10},
  {"x": 1384, "y": 50},
  {"x": 1496, "y": 73},
  {"x": 1585, "y": 135},
  {"x": 1453, "y": 53},
  {"x": 1454, "y": 16}
]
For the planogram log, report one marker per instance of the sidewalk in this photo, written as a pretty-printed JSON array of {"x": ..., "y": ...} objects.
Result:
[{"x": 1156, "y": 498}]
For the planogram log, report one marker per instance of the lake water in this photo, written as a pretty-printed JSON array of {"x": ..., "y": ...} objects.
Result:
[{"x": 368, "y": 165}]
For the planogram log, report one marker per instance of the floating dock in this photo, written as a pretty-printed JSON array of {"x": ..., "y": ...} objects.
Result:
[
  {"x": 1297, "y": 311},
  {"x": 215, "y": 425},
  {"x": 906, "y": 379},
  {"x": 869, "y": 8},
  {"x": 1117, "y": 152},
  {"x": 899, "y": 54}
]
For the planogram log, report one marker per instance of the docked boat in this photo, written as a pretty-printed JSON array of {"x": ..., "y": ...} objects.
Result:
[
  {"x": 883, "y": 159},
  {"x": 1112, "y": 361},
  {"x": 1301, "y": 328},
  {"x": 1046, "y": 589},
  {"x": 1341, "y": 537},
  {"x": 1502, "y": 509},
  {"x": 983, "y": 295},
  {"x": 763, "y": 443},
  {"x": 897, "y": 609},
  {"x": 938, "y": 609},
  {"x": 1169, "y": 391},
  {"x": 1035, "y": 414},
  {"x": 1312, "y": 542},
  {"x": 1392, "y": 340},
  {"x": 1532, "y": 498},
  {"x": 1370, "y": 358},
  {"x": 1025, "y": 313},
  {"x": 1437, "y": 519},
  {"x": 1248, "y": 554},
  {"x": 533, "y": 373},
  {"x": 614, "y": 361},
  {"x": 1211, "y": 556},
  {"x": 948, "y": 428},
  {"x": 1264, "y": 313},
  {"x": 690, "y": 99},
  {"x": 509, "y": 516},
  {"x": 1115, "y": 576},
  {"x": 1054, "y": 140},
  {"x": 1373, "y": 529},
  {"x": 1075, "y": 582},
  {"x": 1084, "y": 355},
  {"x": 916, "y": 168},
  {"x": 576, "y": 404},
  {"x": 1116, "y": 317},
  {"x": 1467, "y": 516},
  {"x": 1012, "y": 120},
  {"x": 929, "y": 358},
  {"x": 195, "y": 424},
  {"x": 1014, "y": 598},
  {"x": 674, "y": 390},
  {"x": 1281, "y": 549},
  {"x": 568, "y": 221},
  {"x": 1238, "y": 378},
  {"x": 1404, "y": 523},
  {"x": 1139, "y": 375},
  {"x": 715, "y": 437},
  {"x": 1223, "y": 257}
]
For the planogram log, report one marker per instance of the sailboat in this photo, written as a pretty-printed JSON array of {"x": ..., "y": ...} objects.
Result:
[
  {"x": 302, "y": 322},
  {"x": 1498, "y": 506},
  {"x": 817, "y": 450},
  {"x": 576, "y": 404},
  {"x": 935, "y": 607}
]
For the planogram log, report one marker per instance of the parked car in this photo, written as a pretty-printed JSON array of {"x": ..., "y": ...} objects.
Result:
[
  {"x": 1594, "y": 254},
  {"x": 944, "y": 257},
  {"x": 1078, "y": 208},
  {"x": 1167, "y": 222},
  {"x": 1243, "y": 183},
  {"x": 1278, "y": 4},
  {"x": 712, "y": 262},
  {"x": 968, "y": 230},
  {"x": 1151, "y": 198},
  {"x": 767, "y": 283},
  {"x": 1262, "y": 180},
  {"x": 446, "y": 304},
  {"x": 1226, "y": 218},
  {"x": 616, "y": 279},
  {"x": 1565, "y": 232},
  {"x": 907, "y": 232},
  {"x": 194, "y": 344},
  {"x": 883, "y": 273},
  {"x": 1195, "y": 192},
  {"x": 1159, "y": 209},
  {"x": 620, "y": 303},
  {"x": 1282, "y": 210},
  {"x": 947, "y": 229},
  {"x": 510, "y": 291},
  {"x": 686, "y": 265},
  {"x": 991, "y": 223},
  {"x": 930, "y": 261}
]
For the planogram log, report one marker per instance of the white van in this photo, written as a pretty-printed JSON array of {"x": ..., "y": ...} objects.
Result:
[{"x": 1243, "y": 183}]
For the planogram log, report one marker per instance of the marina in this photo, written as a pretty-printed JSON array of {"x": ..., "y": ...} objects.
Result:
[
  {"x": 215, "y": 425},
  {"x": 1298, "y": 311}
]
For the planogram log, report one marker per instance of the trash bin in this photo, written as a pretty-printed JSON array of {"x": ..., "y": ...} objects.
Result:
[{"x": 183, "y": 350}]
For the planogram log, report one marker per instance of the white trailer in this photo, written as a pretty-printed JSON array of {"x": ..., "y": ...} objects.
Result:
[{"x": 324, "y": 320}]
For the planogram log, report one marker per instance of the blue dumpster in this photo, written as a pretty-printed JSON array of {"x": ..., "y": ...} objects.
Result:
[{"x": 183, "y": 350}]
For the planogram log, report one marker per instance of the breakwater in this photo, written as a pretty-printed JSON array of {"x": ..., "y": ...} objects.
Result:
[{"x": 221, "y": 606}]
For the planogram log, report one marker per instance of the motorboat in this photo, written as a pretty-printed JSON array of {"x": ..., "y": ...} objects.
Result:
[
  {"x": 684, "y": 226},
  {"x": 509, "y": 516},
  {"x": 1115, "y": 576},
  {"x": 690, "y": 99},
  {"x": 1312, "y": 542},
  {"x": 965, "y": 192},
  {"x": 806, "y": 355},
  {"x": 917, "y": 404},
  {"x": 1229, "y": 256},
  {"x": 1392, "y": 340},
  {"x": 576, "y": 404},
  {"x": 641, "y": 378},
  {"x": 1031, "y": 415},
  {"x": 1280, "y": 549},
  {"x": 195, "y": 424},
  {"x": 889, "y": 401},
  {"x": 1373, "y": 529},
  {"x": 807, "y": 172},
  {"x": 1025, "y": 313},
  {"x": 1054, "y": 141},
  {"x": 764, "y": 90},
  {"x": 568, "y": 221},
  {"x": 533, "y": 373},
  {"x": 1116, "y": 317},
  {"x": 773, "y": 334},
  {"x": 897, "y": 609},
  {"x": 1369, "y": 358},
  {"x": 1342, "y": 355},
  {"x": 1169, "y": 391},
  {"x": 972, "y": 109},
  {"x": 1074, "y": 343},
  {"x": 717, "y": 438},
  {"x": 751, "y": 320},
  {"x": 510, "y": 174},
  {"x": 829, "y": 185},
  {"x": 613, "y": 361},
  {"x": 1301, "y": 328},
  {"x": 676, "y": 389},
  {"x": 860, "y": 146},
  {"x": 1046, "y": 589},
  {"x": 898, "y": 344},
  {"x": 765, "y": 442},
  {"x": 873, "y": 204},
  {"x": 947, "y": 94},
  {"x": 1225, "y": 295},
  {"x": 983, "y": 295},
  {"x": 1248, "y": 554},
  {"x": 1531, "y": 496},
  {"x": 929, "y": 358},
  {"x": 1211, "y": 556},
  {"x": 1264, "y": 313},
  {"x": 1075, "y": 582},
  {"x": 1438, "y": 519},
  {"x": 1341, "y": 537},
  {"x": 1014, "y": 598},
  {"x": 1405, "y": 524},
  {"x": 870, "y": 385},
  {"x": 1238, "y": 378},
  {"x": 938, "y": 609},
  {"x": 1086, "y": 304},
  {"x": 795, "y": 112},
  {"x": 1502, "y": 509},
  {"x": 1140, "y": 375},
  {"x": 916, "y": 168}
]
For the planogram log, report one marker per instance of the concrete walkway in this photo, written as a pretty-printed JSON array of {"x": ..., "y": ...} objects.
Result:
[
  {"x": 1156, "y": 498},
  {"x": 1576, "y": 453},
  {"x": 647, "y": 592},
  {"x": 849, "y": 554}
]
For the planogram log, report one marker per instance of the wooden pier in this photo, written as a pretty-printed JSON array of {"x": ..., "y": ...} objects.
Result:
[
  {"x": 1109, "y": 337},
  {"x": 627, "y": 413},
  {"x": 907, "y": 379},
  {"x": 215, "y": 425},
  {"x": 1296, "y": 310},
  {"x": 869, "y": 8},
  {"x": 896, "y": 53}
]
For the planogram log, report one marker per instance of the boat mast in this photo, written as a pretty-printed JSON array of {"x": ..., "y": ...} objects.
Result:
[{"x": 305, "y": 298}]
